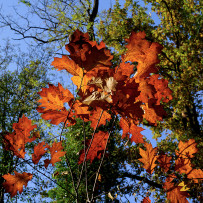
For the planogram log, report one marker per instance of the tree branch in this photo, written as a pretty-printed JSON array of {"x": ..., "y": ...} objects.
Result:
[{"x": 144, "y": 179}]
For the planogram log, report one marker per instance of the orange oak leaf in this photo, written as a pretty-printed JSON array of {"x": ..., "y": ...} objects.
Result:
[
  {"x": 147, "y": 91},
  {"x": 81, "y": 110},
  {"x": 52, "y": 107},
  {"x": 135, "y": 130},
  {"x": 187, "y": 149},
  {"x": 98, "y": 115},
  {"x": 148, "y": 157},
  {"x": 16, "y": 141},
  {"x": 53, "y": 98},
  {"x": 12, "y": 143},
  {"x": 57, "y": 117},
  {"x": 174, "y": 193},
  {"x": 123, "y": 71},
  {"x": 81, "y": 81},
  {"x": 153, "y": 112},
  {"x": 56, "y": 153},
  {"x": 183, "y": 165},
  {"x": 87, "y": 54},
  {"x": 23, "y": 128},
  {"x": 196, "y": 175},
  {"x": 146, "y": 200},
  {"x": 164, "y": 161},
  {"x": 163, "y": 93},
  {"x": 39, "y": 151},
  {"x": 97, "y": 147},
  {"x": 15, "y": 182},
  {"x": 68, "y": 64},
  {"x": 144, "y": 52}
]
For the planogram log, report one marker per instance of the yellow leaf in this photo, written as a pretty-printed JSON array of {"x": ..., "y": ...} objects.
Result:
[{"x": 184, "y": 187}]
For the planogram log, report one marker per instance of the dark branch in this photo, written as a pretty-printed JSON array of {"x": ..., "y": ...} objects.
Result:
[{"x": 145, "y": 180}]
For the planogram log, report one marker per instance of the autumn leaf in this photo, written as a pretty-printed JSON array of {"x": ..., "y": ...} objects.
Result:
[
  {"x": 164, "y": 161},
  {"x": 103, "y": 88},
  {"x": 56, "y": 153},
  {"x": 65, "y": 63},
  {"x": 87, "y": 54},
  {"x": 57, "y": 117},
  {"x": 15, "y": 182},
  {"x": 153, "y": 112},
  {"x": 81, "y": 81},
  {"x": 123, "y": 71},
  {"x": 148, "y": 157},
  {"x": 147, "y": 91},
  {"x": 184, "y": 186},
  {"x": 184, "y": 165},
  {"x": 12, "y": 143},
  {"x": 16, "y": 141},
  {"x": 196, "y": 175},
  {"x": 39, "y": 151},
  {"x": 135, "y": 130},
  {"x": 174, "y": 193},
  {"x": 81, "y": 111},
  {"x": 144, "y": 52},
  {"x": 146, "y": 200},
  {"x": 23, "y": 128},
  {"x": 97, "y": 147},
  {"x": 187, "y": 149},
  {"x": 163, "y": 92},
  {"x": 99, "y": 117},
  {"x": 53, "y": 98},
  {"x": 52, "y": 104}
]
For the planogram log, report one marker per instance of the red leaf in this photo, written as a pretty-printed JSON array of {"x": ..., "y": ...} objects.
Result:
[
  {"x": 128, "y": 128},
  {"x": 153, "y": 112},
  {"x": 187, "y": 149},
  {"x": 146, "y": 200},
  {"x": 15, "y": 182},
  {"x": 53, "y": 98},
  {"x": 39, "y": 151},
  {"x": 162, "y": 90},
  {"x": 96, "y": 115},
  {"x": 68, "y": 64},
  {"x": 97, "y": 147},
  {"x": 173, "y": 192},
  {"x": 56, "y": 153},
  {"x": 144, "y": 52},
  {"x": 147, "y": 91},
  {"x": 164, "y": 161},
  {"x": 16, "y": 141},
  {"x": 87, "y": 54},
  {"x": 57, "y": 117},
  {"x": 148, "y": 157}
]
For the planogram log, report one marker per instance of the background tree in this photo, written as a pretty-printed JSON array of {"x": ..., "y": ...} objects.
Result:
[{"x": 18, "y": 93}]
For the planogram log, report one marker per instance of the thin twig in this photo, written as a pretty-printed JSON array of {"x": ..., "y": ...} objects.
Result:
[
  {"x": 102, "y": 158},
  {"x": 89, "y": 149},
  {"x": 86, "y": 185}
]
